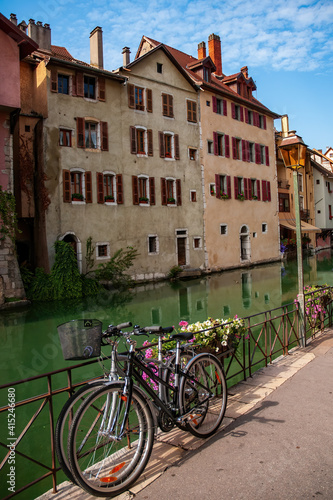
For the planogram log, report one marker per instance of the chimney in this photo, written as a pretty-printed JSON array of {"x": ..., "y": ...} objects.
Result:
[
  {"x": 23, "y": 26},
  {"x": 201, "y": 50},
  {"x": 96, "y": 47},
  {"x": 245, "y": 72},
  {"x": 40, "y": 34},
  {"x": 285, "y": 125},
  {"x": 126, "y": 56},
  {"x": 214, "y": 49},
  {"x": 13, "y": 19}
]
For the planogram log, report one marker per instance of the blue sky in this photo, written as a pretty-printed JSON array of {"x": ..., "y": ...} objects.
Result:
[{"x": 286, "y": 44}]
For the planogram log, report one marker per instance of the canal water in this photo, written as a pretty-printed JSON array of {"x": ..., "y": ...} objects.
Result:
[{"x": 31, "y": 346}]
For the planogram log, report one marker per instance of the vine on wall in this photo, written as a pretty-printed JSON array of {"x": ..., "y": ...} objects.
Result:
[{"x": 8, "y": 222}]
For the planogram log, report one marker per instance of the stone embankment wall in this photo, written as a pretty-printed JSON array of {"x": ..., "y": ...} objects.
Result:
[{"x": 11, "y": 285}]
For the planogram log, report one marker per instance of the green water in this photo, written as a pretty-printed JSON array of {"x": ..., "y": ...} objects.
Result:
[{"x": 30, "y": 343}]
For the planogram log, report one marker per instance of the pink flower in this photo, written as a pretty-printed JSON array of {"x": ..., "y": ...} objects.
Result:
[{"x": 183, "y": 323}]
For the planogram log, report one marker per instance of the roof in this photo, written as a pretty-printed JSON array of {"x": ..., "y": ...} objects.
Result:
[
  {"x": 188, "y": 63},
  {"x": 25, "y": 43},
  {"x": 290, "y": 223}
]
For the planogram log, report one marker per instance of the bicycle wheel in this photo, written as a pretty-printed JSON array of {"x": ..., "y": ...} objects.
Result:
[
  {"x": 64, "y": 421},
  {"x": 203, "y": 395},
  {"x": 169, "y": 375},
  {"x": 103, "y": 462}
]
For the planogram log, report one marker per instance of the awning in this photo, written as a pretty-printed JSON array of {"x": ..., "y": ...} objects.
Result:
[{"x": 305, "y": 227}]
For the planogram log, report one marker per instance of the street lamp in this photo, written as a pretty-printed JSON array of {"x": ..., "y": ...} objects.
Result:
[{"x": 293, "y": 152}]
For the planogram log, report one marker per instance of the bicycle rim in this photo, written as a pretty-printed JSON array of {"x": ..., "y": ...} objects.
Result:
[
  {"x": 103, "y": 462},
  {"x": 203, "y": 396}
]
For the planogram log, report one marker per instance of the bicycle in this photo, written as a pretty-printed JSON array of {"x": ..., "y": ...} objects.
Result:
[{"x": 112, "y": 433}]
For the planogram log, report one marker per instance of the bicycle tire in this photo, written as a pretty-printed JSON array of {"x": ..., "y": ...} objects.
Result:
[
  {"x": 101, "y": 465},
  {"x": 64, "y": 421},
  {"x": 204, "y": 395}
]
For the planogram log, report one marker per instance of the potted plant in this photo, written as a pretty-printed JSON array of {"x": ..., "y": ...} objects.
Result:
[
  {"x": 254, "y": 197},
  {"x": 143, "y": 199},
  {"x": 241, "y": 196},
  {"x": 109, "y": 198},
  {"x": 224, "y": 195},
  {"x": 171, "y": 200},
  {"x": 77, "y": 197}
]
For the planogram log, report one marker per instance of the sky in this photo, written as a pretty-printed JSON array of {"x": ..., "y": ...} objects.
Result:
[{"x": 286, "y": 44}]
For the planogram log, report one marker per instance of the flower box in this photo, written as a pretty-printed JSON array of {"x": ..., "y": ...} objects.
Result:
[
  {"x": 77, "y": 197},
  {"x": 109, "y": 199}
]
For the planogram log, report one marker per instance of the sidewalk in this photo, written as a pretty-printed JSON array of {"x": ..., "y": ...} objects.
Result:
[{"x": 275, "y": 442}]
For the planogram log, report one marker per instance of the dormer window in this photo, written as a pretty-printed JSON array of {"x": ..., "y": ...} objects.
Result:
[{"x": 206, "y": 74}]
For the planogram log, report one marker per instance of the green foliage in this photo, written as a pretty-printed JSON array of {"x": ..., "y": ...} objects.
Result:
[
  {"x": 114, "y": 270},
  {"x": 174, "y": 272},
  {"x": 8, "y": 222},
  {"x": 90, "y": 249}
]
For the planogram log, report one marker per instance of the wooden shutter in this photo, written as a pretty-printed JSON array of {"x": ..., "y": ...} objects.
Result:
[
  {"x": 258, "y": 190},
  {"x": 216, "y": 148},
  {"x": 161, "y": 141},
  {"x": 130, "y": 94},
  {"x": 267, "y": 155},
  {"x": 66, "y": 186},
  {"x": 226, "y": 146},
  {"x": 101, "y": 88},
  {"x": 225, "y": 109},
  {"x": 264, "y": 190},
  {"x": 149, "y": 100},
  {"x": 150, "y": 142},
  {"x": 100, "y": 193},
  {"x": 152, "y": 190},
  {"x": 229, "y": 186},
  {"x": 179, "y": 192},
  {"x": 214, "y": 102},
  {"x": 80, "y": 132},
  {"x": 176, "y": 138},
  {"x": 234, "y": 148},
  {"x": 79, "y": 84},
  {"x": 246, "y": 112},
  {"x": 257, "y": 153},
  {"x": 54, "y": 80},
  {"x": 236, "y": 187},
  {"x": 120, "y": 196},
  {"x": 88, "y": 187},
  {"x": 241, "y": 113},
  {"x": 167, "y": 105},
  {"x": 233, "y": 110},
  {"x": 248, "y": 151},
  {"x": 268, "y": 191},
  {"x": 104, "y": 136},
  {"x": 244, "y": 150},
  {"x": 163, "y": 191},
  {"x": 133, "y": 140},
  {"x": 135, "y": 190},
  {"x": 249, "y": 187},
  {"x": 217, "y": 186},
  {"x": 265, "y": 124}
]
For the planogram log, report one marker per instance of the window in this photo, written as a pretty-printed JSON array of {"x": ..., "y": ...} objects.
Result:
[
  {"x": 210, "y": 149},
  {"x": 191, "y": 111},
  {"x": 65, "y": 137},
  {"x": 77, "y": 186},
  {"x": 212, "y": 189},
  {"x": 27, "y": 128},
  {"x": 89, "y": 83},
  {"x": 63, "y": 84},
  {"x": 109, "y": 188},
  {"x": 197, "y": 243},
  {"x": 264, "y": 227},
  {"x": 223, "y": 229},
  {"x": 253, "y": 189},
  {"x": 193, "y": 196},
  {"x": 102, "y": 250},
  {"x": 208, "y": 103},
  {"x": 206, "y": 74},
  {"x": 261, "y": 154},
  {"x": 317, "y": 181},
  {"x": 236, "y": 148},
  {"x": 266, "y": 190},
  {"x": 252, "y": 152},
  {"x": 141, "y": 141},
  {"x": 237, "y": 112},
  {"x": 159, "y": 67},
  {"x": 153, "y": 244},
  {"x": 139, "y": 98},
  {"x": 223, "y": 186},
  {"x": 284, "y": 204},
  {"x": 250, "y": 117},
  {"x": 77, "y": 183},
  {"x": 171, "y": 191},
  {"x": 219, "y": 106},
  {"x": 143, "y": 189},
  {"x": 169, "y": 145},
  {"x": 192, "y": 153},
  {"x": 300, "y": 181},
  {"x": 221, "y": 144},
  {"x": 167, "y": 105},
  {"x": 92, "y": 134}
]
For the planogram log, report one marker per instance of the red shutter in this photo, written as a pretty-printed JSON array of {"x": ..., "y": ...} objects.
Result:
[
  {"x": 79, "y": 84},
  {"x": 135, "y": 190},
  {"x": 264, "y": 190},
  {"x": 104, "y": 136},
  {"x": 176, "y": 137},
  {"x": 248, "y": 151},
  {"x": 258, "y": 190},
  {"x": 233, "y": 110},
  {"x": 226, "y": 146},
  {"x": 88, "y": 187},
  {"x": 101, "y": 89},
  {"x": 179, "y": 192},
  {"x": 265, "y": 124},
  {"x": 54, "y": 80},
  {"x": 236, "y": 187},
  {"x": 161, "y": 140},
  {"x": 170, "y": 106},
  {"x": 268, "y": 191},
  {"x": 217, "y": 186},
  {"x": 244, "y": 150},
  {"x": 163, "y": 191},
  {"x": 225, "y": 110},
  {"x": 267, "y": 155},
  {"x": 246, "y": 111},
  {"x": 216, "y": 149},
  {"x": 100, "y": 193},
  {"x": 214, "y": 100},
  {"x": 66, "y": 186},
  {"x": 80, "y": 132},
  {"x": 250, "y": 190},
  {"x": 241, "y": 113},
  {"x": 133, "y": 140},
  {"x": 246, "y": 188},
  {"x": 234, "y": 148},
  {"x": 130, "y": 94},
  {"x": 257, "y": 153},
  {"x": 152, "y": 190},
  {"x": 149, "y": 100},
  {"x": 150, "y": 142},
  {"x": 229, "y": 186},
  {"x": 120, "y": 197}
]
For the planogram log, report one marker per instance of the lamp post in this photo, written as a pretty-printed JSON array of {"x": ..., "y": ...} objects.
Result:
[{"x": 293, "y": 152}]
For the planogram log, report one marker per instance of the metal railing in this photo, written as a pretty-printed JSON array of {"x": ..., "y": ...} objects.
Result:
[{"x": 269, "y": 335}]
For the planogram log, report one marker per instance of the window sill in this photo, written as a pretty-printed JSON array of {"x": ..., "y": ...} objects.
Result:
[
  {"x": 78, "y": 202},
  {"x": 110, "y": 203},
  {"x": 93, "y": 150}
]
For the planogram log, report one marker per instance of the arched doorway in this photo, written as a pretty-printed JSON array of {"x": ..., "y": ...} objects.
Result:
[
  {"x": 245, "y": 243},
  {"x": 74, "y": 241}
]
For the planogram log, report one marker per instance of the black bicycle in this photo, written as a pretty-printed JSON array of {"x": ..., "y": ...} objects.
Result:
[{"x": 112, "y": 433}]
